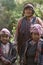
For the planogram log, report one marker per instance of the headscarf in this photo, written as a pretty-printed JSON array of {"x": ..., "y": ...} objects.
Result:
[
  {"x": 5, "y": 31},
  {"x": 36, "y": 28}
]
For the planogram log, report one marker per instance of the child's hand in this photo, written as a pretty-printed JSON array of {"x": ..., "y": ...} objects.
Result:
[
  {"x": 2, "y": 58},
  {"x": 5, "y": 61}
]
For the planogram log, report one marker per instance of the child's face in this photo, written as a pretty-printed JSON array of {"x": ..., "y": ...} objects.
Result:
[
  {"x": 35, "y": 36},
  {"x": 4, "y": 38}
]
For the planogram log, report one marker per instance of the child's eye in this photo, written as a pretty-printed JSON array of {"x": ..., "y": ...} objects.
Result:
[
  {"x": 36, "y": 33},
  {"x": 4, "y": 35}
]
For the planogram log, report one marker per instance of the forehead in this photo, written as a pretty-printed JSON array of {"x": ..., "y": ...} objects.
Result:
[
  {"x": 35, "y": 33},
  {"x": 29, "y": 8}
]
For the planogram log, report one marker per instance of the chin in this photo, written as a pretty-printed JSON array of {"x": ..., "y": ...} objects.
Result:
[
  {"x": 37, "y": 39},
  {"x": 5, "y": 42}
]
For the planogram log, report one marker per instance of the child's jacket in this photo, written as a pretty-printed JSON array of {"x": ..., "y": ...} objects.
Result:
[{"x": 11, "y": 56}]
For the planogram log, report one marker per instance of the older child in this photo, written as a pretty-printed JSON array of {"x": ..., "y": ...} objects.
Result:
[
  {"x": 33, "y": 51},
  {"x": 7, "y": 50}
]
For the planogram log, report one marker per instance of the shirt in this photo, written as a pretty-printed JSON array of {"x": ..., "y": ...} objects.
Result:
[{"x": 5, "y": 48}]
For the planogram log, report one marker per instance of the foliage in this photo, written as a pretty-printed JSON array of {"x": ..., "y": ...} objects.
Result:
[
  {"x": 6, "y": 9},
  {"x": 9, "y": 4},
  {"x": 39, "y": 10},
  {"x": 11, "y": 11}
]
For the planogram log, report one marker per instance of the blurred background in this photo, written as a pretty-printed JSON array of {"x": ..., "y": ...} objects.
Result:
[{"x": 11, "y": 11}]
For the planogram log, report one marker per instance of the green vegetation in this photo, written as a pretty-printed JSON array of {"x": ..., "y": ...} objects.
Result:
[{"x": 11, "y": 11}]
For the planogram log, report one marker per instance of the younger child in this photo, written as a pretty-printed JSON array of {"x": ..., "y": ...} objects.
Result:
[
  {"x": 33, "y": 50},
  {"x": 7, "y": 50},
  {"x": 36, "y": 32}
]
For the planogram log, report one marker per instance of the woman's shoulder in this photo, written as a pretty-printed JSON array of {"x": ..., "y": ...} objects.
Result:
[
  {"x": 20, "y": 19},
  {"x": 39, "y": 21}
]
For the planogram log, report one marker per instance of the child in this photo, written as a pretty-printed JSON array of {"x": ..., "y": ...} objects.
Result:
[
  {"x": 7, "y": 50},
  {"x": 36, "y": 32},
  {"x": 32, "y": 53}
]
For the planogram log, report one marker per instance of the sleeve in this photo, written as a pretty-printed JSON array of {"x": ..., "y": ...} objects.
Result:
[
  {"x": 39, "y": 21},
  {"x": 17, "y": 30},
  {"x": 14, "y": 55}
]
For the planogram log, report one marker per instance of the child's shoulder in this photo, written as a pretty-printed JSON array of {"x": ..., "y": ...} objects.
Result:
[
  {"x": 11, "y": 44},
  {"x": 28, "y": 42},
  {"x": 41, "y": 40}
]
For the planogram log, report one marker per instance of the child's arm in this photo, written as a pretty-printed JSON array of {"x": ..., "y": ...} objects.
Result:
[
  {"x": 14, "y": 55},
  {"x": 42, "y": 49},
  {"x": 4, "y": 60}
]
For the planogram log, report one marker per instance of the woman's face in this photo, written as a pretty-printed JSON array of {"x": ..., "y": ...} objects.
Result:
[
  {"x": 35, "y": 36},
  {"x": 4, "y": 38},
  {"x": 28, "y": 12}
]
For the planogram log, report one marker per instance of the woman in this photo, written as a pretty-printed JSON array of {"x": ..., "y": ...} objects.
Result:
[{"x": 24, "y": 24}]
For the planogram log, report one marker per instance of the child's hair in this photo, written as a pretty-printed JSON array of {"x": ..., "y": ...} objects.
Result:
[{"x": 36, "y": 28}]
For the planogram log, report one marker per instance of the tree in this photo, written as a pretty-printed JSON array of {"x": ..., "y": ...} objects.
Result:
[
  {"x": 9, "y": 4},
  {"x": 6, "y": 9}
]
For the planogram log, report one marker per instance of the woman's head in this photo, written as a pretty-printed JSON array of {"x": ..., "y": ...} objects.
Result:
[
  {"x": 5, "y": 35},
  {"x": 36, "y": 31},
  {"x": 28, "y": 9}
]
